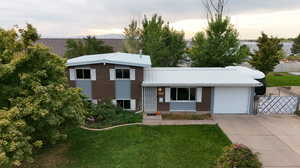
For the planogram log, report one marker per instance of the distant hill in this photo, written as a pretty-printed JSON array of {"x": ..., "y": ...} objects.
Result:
[
  {"x": 58, "y": 45},
  {"x": 104, "y": 36}
]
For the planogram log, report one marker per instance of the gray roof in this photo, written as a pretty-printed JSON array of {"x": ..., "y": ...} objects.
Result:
[
  {"x": 179, "y": 76},
  {"x": 57, "y": 45}
]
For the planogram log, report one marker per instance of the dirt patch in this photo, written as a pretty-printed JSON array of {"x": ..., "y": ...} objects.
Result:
[
  {"x": 50, "y": 158},
  {"x": 181, "y": 116}
]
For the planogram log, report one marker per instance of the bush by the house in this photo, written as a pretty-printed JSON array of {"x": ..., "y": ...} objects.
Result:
[
  {"x": 238, "y": 156},
  {"x": 106, "y": 114}
]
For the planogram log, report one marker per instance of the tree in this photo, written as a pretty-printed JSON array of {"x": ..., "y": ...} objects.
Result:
[
  {"x": 218, "y": 46},
  {"x": 165, "y": 45},
  {"x": 36, "y": 105},
  {"x": 268, "y": 55},
  {"x": 214, "y": 9},
  {"x": 132, "y": 43},
  {"x": 87, "y": 46},
  {"x": 296, "y": 46}
]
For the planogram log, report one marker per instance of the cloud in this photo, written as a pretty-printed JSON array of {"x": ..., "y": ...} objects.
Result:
[
  {"x": 250, "y": 26},
  {"x": 72, "y": 17}
]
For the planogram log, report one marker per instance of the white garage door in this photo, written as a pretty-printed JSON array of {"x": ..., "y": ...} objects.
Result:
[{"x": 229, "y": 100}]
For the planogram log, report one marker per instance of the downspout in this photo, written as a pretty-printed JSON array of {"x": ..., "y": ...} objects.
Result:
[{"x": 142, "y": 109}]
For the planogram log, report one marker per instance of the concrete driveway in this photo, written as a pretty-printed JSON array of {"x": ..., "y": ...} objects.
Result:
[{"x": 275, "y": 138}]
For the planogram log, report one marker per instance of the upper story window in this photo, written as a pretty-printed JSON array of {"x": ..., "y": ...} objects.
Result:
[
  {"x": 83, "y": 74},
  {"x": 183, "y": 94},
  {"x": 123, "y": 74}
]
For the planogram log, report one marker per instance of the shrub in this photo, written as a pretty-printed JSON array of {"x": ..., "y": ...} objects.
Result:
[
  {"x": 106, "y": 114},
  {"x": 238, "y": 156}
]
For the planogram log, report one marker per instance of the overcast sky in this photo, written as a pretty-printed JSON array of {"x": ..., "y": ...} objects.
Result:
[{"x": 67, "y": 18}]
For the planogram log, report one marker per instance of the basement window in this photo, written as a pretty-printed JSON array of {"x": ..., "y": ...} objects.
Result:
[
  {"x": 83, "y": 74},
  {"x": 125, "y": 104},
  {"x": 183, "y": 94},
  {"x": 122, "y": 73}
]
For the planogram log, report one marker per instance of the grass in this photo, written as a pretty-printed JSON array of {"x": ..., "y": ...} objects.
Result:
[
  {"x": 294, "y": 58},
  {"x": 144, "y": 147},
  {"x": 189, "y": 116},
  {"x": 120, "y": 118},
  {"x": 282, "y": 79}
]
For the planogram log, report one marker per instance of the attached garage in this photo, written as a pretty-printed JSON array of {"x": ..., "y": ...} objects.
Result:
[
  {"x": 232, "y": 100},
  {"x": 227, "y": 90}
]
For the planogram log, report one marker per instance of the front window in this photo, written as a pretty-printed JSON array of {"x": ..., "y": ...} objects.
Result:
[
  {"x": 83, "y": 74},
  {"x": 183, "y": 94},
  {"x": 125, "y": 104},
  {"x": 122, "y": 73}
]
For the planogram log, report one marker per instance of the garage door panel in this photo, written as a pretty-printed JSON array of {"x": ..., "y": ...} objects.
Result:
[{"x": 228, "y": 100}]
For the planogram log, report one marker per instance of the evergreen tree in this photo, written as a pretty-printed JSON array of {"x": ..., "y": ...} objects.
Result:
[
  {"x": 296, "y": 46},
  {"x": 87, "y": 46},
  {"x": 165, "y": 45},
  {"x": 268, "y": 55}
]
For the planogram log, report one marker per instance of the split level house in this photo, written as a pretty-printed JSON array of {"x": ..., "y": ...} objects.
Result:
[{"x": 129, "y": 81}]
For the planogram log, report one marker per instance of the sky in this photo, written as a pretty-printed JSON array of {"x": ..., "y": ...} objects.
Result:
[{"x": 71, "y": 18}]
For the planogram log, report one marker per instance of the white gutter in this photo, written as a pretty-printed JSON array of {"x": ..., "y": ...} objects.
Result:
[
  {"x": 201, "y": 84},
  {"x": 107, "y": 62}
]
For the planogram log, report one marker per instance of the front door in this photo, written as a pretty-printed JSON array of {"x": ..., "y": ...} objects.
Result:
[{"x": 150, "y": 100}]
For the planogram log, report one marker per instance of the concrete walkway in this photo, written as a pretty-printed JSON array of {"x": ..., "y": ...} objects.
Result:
[
  {"x": 157, "y": 120},
  {"x": 276, "y": 138}
]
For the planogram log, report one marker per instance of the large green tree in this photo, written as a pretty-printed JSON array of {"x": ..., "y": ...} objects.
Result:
[
  {"x": 36, "y": 104},
  {"x": 165, "y": 45},
  {"x": 132, "y": 42},
  {"x": 86, "y": 46},
  {"x": 156, "y": 38},
  {"x": 296, "y": 46},
  {"x": 218, "y": 46},
  {"x": 268, "y": 55}
]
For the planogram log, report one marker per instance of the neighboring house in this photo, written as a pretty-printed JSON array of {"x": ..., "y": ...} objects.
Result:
[
  {"x": 58, "y": 45},
  {"x": 130, "y": 82}
]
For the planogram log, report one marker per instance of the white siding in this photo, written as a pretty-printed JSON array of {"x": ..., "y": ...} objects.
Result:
[
  {"x": 231, "y": 100},
  {"x": 132, "y": 74},
  {"x": 133, "y": 104},
  {"x": 167, "y": 94},
  {"x": 114, "y": 101},
  {"x": 72, "y": 74},
  {"x": 199, "y": 95},
  {"x": 93, "y": 74},
  {"x": 112, "y": 74}
]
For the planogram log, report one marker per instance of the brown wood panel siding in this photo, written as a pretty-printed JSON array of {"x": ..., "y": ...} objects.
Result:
[
  {"x": 136, "y": 86},
  {"x": 104, "y": 88},
  {"x": 71, "y": 83},
  {"x": 162, "y": 106},
  {"x": 206, "y": 100}
]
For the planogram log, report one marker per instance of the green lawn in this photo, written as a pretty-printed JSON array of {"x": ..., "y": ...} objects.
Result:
[
  {"x": 282, "y": 79},
  {"x": 142, "y": 147}
]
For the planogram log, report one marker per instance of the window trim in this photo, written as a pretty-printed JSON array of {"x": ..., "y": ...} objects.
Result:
[
  {"x": 83, "y": 74},
  {"x": 116, "y": 78},
  {"x": 123, "y": 103},
  {"x": 177, "y": 95}
]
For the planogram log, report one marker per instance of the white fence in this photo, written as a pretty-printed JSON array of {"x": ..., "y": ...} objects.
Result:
[
  {"x": 288, "y": 67},
  {"x": 277, "y": 104}
]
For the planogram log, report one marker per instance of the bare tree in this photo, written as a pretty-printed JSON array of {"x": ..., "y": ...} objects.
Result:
[{"x": 214, "y": 9}]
